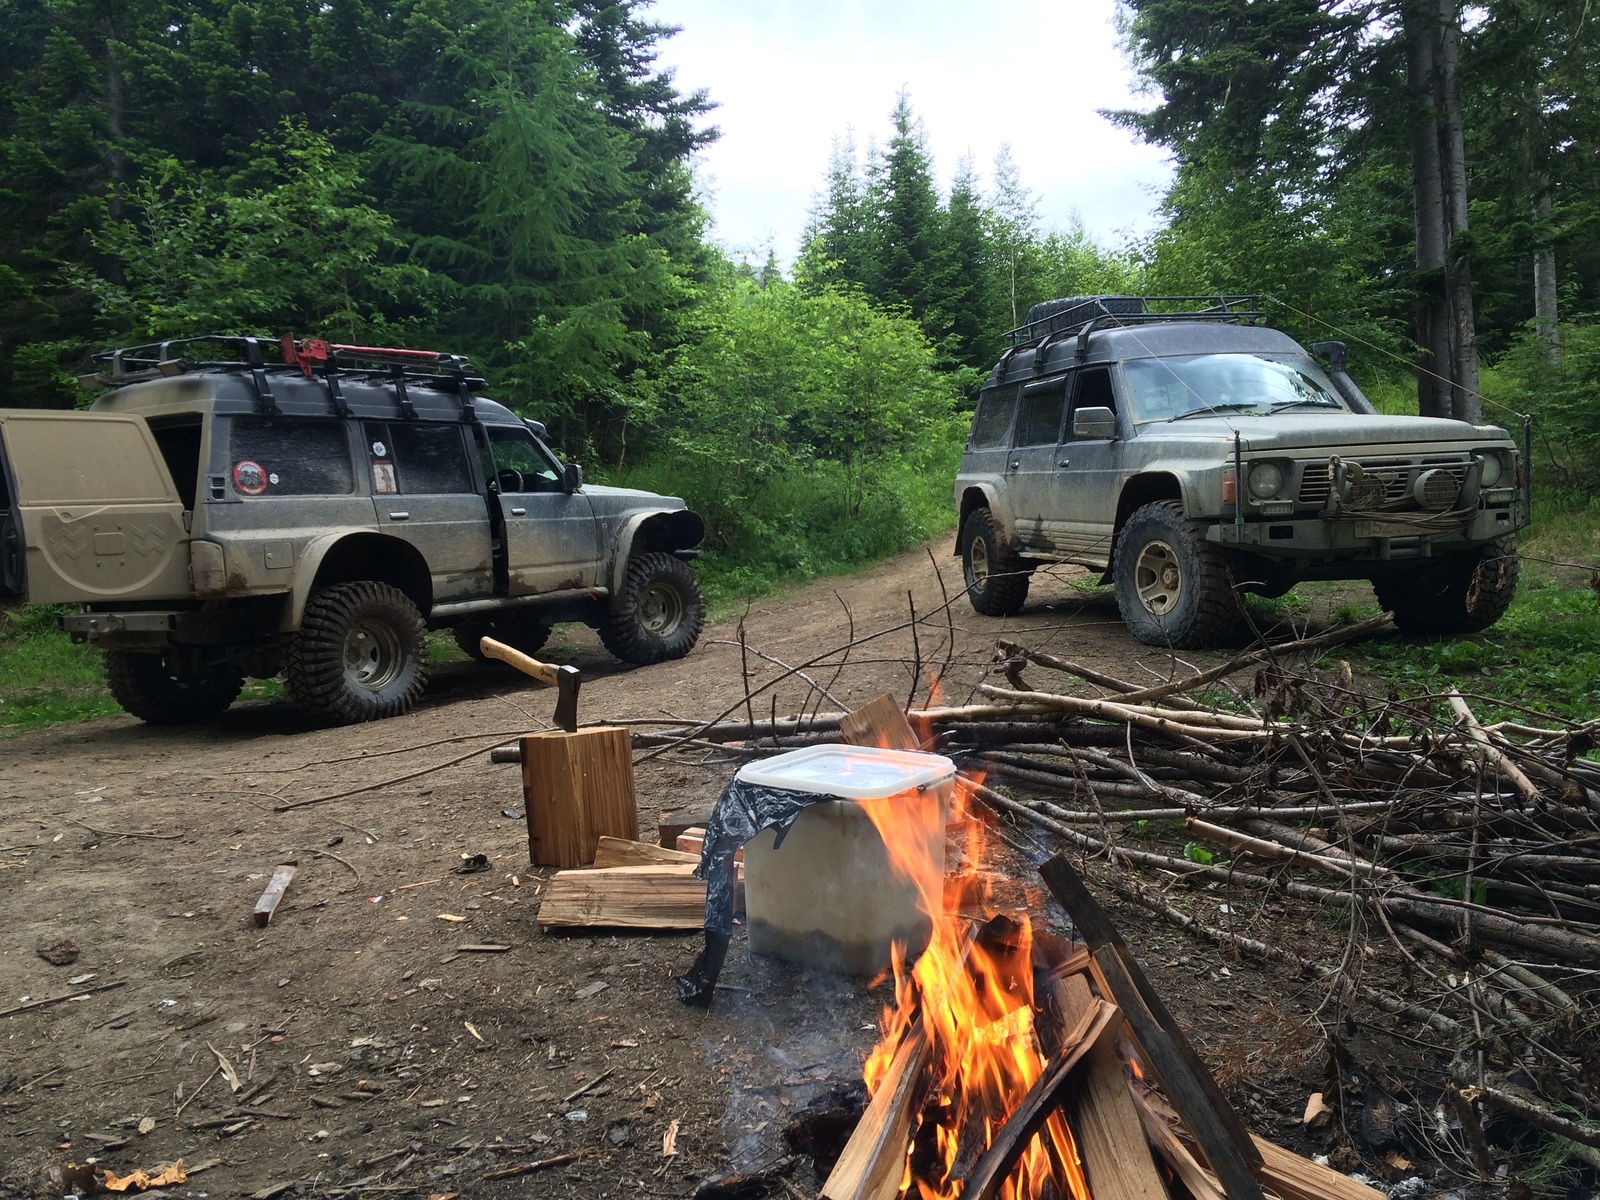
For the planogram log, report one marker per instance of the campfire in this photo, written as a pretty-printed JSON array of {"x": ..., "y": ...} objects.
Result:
[{"x": 1016, "y": 1064}]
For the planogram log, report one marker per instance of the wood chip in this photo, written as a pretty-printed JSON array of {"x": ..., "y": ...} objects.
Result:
[
  {"x": 235, "y": 1084},
  {"x": 452, "y": 918},
  {"x": 669, "y": 1140},
  {"x": 483, "y": 948}
]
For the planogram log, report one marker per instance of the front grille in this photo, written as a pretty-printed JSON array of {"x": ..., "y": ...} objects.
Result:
[{"x": 1398, "y": 474}]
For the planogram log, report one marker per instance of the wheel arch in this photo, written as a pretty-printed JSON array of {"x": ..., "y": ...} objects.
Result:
[
  {"x": 343, "y": 558},
  {"x": 976, "y": 496},
  {"x": 663, "y": 530},
  {"x": 1137, "y": 491}
]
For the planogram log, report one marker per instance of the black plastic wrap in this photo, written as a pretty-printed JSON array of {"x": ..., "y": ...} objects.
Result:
[{"x": 743, "y": 810}]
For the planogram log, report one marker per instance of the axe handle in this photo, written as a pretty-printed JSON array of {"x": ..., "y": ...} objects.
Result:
[{"x": 543, "y": 672}]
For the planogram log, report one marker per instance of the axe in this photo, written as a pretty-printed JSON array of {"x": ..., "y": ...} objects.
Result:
[{"x": 564, "y": 679}]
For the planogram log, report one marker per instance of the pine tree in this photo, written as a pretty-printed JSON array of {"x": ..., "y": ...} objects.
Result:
[{"x": 968, "y": 285}]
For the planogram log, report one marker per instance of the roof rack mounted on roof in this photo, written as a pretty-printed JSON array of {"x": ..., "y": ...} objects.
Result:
[
  {"x": 1083, "y": 314},
  {"x": 248, "y": 355}
]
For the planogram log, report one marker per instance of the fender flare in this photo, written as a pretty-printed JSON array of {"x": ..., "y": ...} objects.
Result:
[
  {"x": 991, "y": 500},
  {"x": 684, "y": 529},
  {"x": 309, "y": 567}
]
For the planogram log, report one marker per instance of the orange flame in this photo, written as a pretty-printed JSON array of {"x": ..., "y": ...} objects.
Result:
[{"x": 975, "y": 1001}]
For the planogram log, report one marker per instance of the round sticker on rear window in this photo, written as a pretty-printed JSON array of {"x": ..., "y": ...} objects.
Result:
[{"x": 249, "y": 477}]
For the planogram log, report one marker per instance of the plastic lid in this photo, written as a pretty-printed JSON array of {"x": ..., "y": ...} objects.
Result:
[{"x": 854, "y": 772}]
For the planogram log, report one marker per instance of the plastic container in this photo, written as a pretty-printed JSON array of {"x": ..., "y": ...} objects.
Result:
[{"x": 827, "y": 897}]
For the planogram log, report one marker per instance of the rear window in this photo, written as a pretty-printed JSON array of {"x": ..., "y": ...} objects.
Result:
[
  {"x": 279, "y": 457},
  {"x": 992, "y": 423},
  {"x": 418, "y": 458},
  {"x": 72, "y": 458},
  {"x": 1041, "y": 413}
]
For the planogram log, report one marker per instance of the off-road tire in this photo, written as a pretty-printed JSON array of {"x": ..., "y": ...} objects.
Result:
[
  {"x": 997, "y": 577},
  {"x": 1172, "y": 587},
  {"x": 519, "y": 631},
  {"x": 1465, "y": 593},
  {"x": 146, "y": 689},
  {"x": 659, "y": 613},
  {"x": 360, "y": 654}
]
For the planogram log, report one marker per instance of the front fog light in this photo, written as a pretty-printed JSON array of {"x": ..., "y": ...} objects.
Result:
[{"x": 1265, "y": 480}]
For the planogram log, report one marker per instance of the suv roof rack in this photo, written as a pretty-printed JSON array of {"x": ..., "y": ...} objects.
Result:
[
  {"x": 1082, "y": 314},
  {"x": 397, "y": 367}
]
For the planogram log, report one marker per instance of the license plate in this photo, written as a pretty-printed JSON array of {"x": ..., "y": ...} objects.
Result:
[{"x": 1385, "y": 529}]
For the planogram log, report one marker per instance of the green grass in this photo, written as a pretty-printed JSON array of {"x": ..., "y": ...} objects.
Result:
[
  {"x": 1544, "y": 655},
  {"x": 44, "y": 678}
]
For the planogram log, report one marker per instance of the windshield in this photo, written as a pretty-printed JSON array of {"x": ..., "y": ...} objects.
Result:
[{"x": 1164, "y": 389}]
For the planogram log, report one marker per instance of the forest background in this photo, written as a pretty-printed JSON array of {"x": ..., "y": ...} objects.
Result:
[{"x": 513, "y": 180}]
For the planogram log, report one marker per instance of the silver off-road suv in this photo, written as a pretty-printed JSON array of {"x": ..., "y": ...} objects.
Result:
[
  {"x": 313, "y": 510},
  {"x": 1190, "y": 454}
]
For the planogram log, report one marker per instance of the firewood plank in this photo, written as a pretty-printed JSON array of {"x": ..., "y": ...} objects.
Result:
[
  {"x": 881, "y": 723},
  {"x": 282, "y": 876},
  {"x": 874, "y": 1158},
  {"x": 1202, "y": 1184},
  {"x": 1043, "y": 1098},
  {"x": 662, "y": 896},
  {"x": 619, "y": 852},
  {"x": 1111, "y": 1139},
  {"x": 1295, "y": 1178}
]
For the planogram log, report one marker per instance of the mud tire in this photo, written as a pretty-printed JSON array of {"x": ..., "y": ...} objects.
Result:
[
  {"x": 659, "y": 613},
  {"x": 1196, "y": 608},
  {"x": 361, "y": 654},
  {"x": 1465, "y": 593},
  {"x": 147, "y": 689},
  {"x": 520, "y": 632},
  {"x": 996, "y": 576}
]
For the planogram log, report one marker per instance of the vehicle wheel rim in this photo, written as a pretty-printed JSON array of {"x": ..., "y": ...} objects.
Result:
[
  {"x": 978, "y": 562},
  {"x": 1158, "y": 578},
  {"x": 661, "y": 610},
  {"x": 373, "y": 657}
]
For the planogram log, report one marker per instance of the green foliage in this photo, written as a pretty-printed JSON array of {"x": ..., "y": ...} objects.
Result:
[
  {"x": 1196, "y": 853},
  {"x": 1543, "y": 655},
  {"x": 44, "y": 678}
]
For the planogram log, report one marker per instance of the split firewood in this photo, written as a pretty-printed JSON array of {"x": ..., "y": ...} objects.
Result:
[
  {"x": 874, "y": 1159},
  {"x": 282, "y": 877}
]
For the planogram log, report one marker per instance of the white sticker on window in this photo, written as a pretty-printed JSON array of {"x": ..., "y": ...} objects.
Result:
[{"x": 379, "y": 450}]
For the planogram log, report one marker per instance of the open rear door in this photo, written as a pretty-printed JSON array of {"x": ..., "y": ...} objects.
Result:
[{"x": 88, "y": 510}]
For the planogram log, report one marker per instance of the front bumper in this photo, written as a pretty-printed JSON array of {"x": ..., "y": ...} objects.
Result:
[{"x": 1365, "y": 539}]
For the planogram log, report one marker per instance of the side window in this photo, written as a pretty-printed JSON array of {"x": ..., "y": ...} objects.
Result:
[
  {"x": 991, "y": 425},
  {"x": 1093, "y": 391},
  {"x": 417, "y": 458},
  {"x": 1041, "y": 413},
  {"x": 519, "y": 464},
  {"x": 284, "y": 457}
]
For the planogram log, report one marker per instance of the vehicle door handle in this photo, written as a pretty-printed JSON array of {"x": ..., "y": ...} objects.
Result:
[
  {"x": 400, "y": 516},
  {"x": 519, "y": 512},
  {"x": 1065, "y": 462},
  {"x": 1015, "y": 464}
]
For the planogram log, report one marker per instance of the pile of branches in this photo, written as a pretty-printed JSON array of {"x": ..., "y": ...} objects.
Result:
[{"x": 1472, "y": 849}]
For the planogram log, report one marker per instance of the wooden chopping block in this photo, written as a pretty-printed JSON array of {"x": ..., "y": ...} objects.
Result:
[{"x": 577, "y": 787}]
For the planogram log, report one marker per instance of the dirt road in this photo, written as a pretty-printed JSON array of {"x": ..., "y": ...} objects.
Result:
[{"x": 381, "y": 1058}]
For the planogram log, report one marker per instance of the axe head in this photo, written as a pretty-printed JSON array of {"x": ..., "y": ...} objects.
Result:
[{"x": 568, "y": 680}]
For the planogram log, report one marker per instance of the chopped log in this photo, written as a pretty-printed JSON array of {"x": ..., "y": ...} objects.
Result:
[
  {"x": 880, "y": 723},
  {"x": 1098, "y": 1029},
  {"x": 671, "y": 824},
  {"x": 575, "y": 787},
  {"x": 1111, "y": 1142},
  {"x": 282, "y": 877},
  {"x": 1296, "y": 1178},
  {"x": 1222, "y": 1136},
  {"x": 874, "y": 1159},
  {"x": 654, "y": 897},
  {"x": 618, "y": 852},
  {"x": 693, "y": 840}
]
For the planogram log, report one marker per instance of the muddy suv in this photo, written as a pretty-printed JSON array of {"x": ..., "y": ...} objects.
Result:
[
  {"x": 1190, "y": 454},
  {"x": 314, "y": 510}
]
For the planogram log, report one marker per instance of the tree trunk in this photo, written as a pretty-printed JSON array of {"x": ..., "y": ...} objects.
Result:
[
  {"x": 1545, "y": 325},
  {"x": 1433, "y": 311},
  {"x": 1465, "y": 402}
]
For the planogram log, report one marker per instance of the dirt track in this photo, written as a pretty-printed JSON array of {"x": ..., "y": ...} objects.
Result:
[{"x": 357, "y": 978}]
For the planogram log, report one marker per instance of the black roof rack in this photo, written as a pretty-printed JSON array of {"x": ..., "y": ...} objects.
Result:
[
  {"x": 1083, "y": 314},
  {"x": 262, "y": 358}
]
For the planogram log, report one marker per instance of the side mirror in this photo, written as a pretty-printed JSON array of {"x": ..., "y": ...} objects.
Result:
[
  {"x": 1089, "y": 424},
  {"x": 571, "y": 478}
]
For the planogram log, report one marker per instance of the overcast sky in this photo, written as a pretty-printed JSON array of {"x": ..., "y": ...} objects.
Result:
[{"x": 789, "y": 76}]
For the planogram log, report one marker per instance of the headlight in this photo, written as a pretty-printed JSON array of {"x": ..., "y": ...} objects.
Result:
[
  {"x": 1266, "y": 479},
  {"x": 1492, "y": 468}
]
